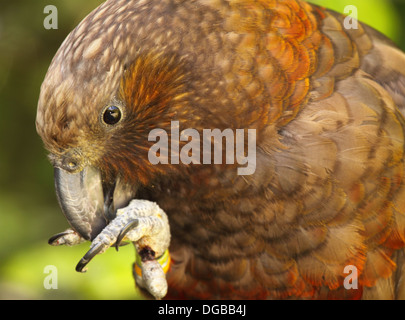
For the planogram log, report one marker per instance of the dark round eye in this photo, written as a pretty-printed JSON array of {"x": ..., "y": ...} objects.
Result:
[{"x": 112, "y": 115}]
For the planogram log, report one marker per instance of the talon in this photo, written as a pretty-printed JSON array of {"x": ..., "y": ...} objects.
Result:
[
  {"x": 68, "y": 238},
  {"x": 88, "y": 257},
  {"x": 128, "y": 227},
  {"x": 122, "y": 244},
  {"x": 56, "y": 237}
]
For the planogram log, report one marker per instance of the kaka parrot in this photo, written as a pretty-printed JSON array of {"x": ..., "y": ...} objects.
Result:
[{"x": 319, "y": 212}]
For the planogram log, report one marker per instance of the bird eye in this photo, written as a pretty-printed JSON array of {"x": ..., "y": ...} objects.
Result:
[{"x": 112, "y": 115}]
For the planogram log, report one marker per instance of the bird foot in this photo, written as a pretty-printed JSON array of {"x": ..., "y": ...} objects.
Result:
[{"x": 147, "y": 226}]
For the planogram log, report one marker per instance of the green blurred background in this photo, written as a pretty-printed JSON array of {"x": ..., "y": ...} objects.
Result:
[{"x": 29, "y": 213}]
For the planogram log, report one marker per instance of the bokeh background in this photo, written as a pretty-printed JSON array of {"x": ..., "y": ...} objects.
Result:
[{"x": 29, "y": 212}]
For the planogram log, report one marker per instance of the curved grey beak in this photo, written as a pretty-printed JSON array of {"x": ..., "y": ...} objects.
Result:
[
  {"x": 87, "y": 201},
  {"x": 80, "y": 196}
]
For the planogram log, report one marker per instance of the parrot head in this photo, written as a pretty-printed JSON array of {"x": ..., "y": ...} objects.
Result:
[{"x": 100, "y": 98}]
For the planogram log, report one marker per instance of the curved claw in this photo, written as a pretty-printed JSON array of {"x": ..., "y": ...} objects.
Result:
[
  {"x": 128, "y": 227},
  {"x": 88, "y": 256},
  {"x": 56, "y": 237}
]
